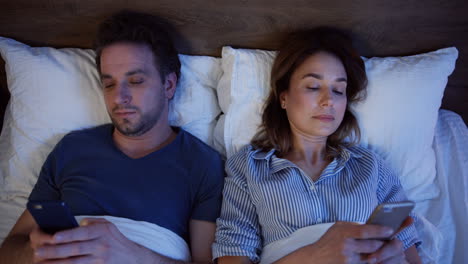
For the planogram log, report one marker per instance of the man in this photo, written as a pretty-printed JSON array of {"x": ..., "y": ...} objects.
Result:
[{"x": 138, "y": 167}]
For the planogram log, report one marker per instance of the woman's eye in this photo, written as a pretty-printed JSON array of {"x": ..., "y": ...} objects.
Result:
[
  {"x": 338, "y": 92},
  {"x": 313, "y": 88}
]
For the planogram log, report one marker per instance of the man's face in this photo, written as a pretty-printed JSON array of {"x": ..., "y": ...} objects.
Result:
[{"x": 136, "y": 97}]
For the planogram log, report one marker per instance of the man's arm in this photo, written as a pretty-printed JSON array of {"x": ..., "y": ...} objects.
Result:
[
  {"x": 98, "y": 241},
  {"x": 202, "y": 235},
  {"x": 16, "y": 248}
]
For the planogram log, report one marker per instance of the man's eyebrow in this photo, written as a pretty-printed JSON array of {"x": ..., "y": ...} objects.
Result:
[
  {"x": 137, "y": 71},
  {"x": 105, "y": 76},
  {"x": 132, "y": 72},
  {"x": 320, "y": 77}
]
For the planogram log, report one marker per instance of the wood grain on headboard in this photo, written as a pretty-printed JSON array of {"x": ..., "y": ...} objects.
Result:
[{"x": 382, "y": 28}]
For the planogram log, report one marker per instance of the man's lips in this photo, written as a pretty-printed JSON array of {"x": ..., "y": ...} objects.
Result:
[
  {"x": 124, "y": 113},
  {"x": 324, "y": 118}
]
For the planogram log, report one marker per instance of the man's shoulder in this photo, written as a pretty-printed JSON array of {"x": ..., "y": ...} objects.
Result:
[
  {"x": 87, "y": 134},
  {"x": 196, "y": 147}
]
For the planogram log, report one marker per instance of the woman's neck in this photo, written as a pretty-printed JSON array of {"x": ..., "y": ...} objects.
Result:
[{"x": 307, "y": 148}]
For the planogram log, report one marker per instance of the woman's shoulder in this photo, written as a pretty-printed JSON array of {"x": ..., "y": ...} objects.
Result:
[
  {"x": 368, "y": 157},
  {"x": 248, "y": 159},
  {"x": 249, "y": 152},
  {"x": 364, "y": 154}
]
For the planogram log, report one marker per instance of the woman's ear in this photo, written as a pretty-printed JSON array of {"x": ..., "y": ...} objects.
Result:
[
  {"x": 283, "y": 98},
  {"x": 170, "y": 85}
]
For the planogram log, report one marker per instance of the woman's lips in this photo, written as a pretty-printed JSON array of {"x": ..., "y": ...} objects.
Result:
[{"x": 324, "y": 118}]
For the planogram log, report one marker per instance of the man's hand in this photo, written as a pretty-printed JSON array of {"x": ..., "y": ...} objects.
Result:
[{"x": 96, "y": 241}]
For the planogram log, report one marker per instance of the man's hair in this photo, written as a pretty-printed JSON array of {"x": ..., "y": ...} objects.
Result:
[
  {"x": 274, "y": 131},
  {"x": 139, "y": 28}
]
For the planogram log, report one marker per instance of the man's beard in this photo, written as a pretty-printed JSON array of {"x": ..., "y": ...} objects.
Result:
[{"x": 143, "y": 124}]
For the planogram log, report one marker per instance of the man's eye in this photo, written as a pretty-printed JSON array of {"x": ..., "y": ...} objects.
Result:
[
  {"x": 137, "y": 82},
  {"x": 110, "y": 85}
]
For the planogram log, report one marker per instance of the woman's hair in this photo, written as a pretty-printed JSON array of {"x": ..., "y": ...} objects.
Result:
[
  {"x": 139, "y": 28},
  {"x": 274, "y": 131}
]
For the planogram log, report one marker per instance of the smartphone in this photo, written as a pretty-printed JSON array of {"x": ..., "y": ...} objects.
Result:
[
  {"x": 391, "y": 214},
  {"x": 52, "y": 216}
]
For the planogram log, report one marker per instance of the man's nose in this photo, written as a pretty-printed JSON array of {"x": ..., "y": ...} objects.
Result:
[{"x": 123, "y": 95}]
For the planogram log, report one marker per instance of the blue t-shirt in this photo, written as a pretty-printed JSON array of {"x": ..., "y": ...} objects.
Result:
[{"x": 168, "y": 187}]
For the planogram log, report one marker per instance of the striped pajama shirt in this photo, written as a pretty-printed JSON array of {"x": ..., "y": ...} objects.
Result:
[{"x": 267, "y": 198}]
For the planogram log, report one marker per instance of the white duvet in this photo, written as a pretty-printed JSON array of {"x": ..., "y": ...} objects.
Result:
[{"x": 154, "y": 237}]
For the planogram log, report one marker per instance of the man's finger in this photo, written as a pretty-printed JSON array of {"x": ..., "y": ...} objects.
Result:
[
  {"x": 75, "y": 260},
  {"x": 90, "y": 221},
  {"x": 65, "y": 250},
  {"x": 81, "y": 233},
  {"x": 39, "y": 238}
]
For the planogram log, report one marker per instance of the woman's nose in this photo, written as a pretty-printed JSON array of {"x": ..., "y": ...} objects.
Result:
[{"x": 326, "y": 97}]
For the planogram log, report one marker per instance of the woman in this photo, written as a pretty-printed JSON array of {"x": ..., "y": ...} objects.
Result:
[{"x": 303, "y": 167}]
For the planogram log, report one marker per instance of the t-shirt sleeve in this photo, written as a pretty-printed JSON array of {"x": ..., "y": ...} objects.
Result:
[
  {"x": 208, "y": 200},
  {"x": 390, "y": 190},
  {"x": 46, "y": 188}
]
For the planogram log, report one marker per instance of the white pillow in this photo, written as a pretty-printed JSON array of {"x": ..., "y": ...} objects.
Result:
[
  {"x": 242, "y": 90},
  {"x": 54, "y": 91},
  {"x": 397, "y": 119}
]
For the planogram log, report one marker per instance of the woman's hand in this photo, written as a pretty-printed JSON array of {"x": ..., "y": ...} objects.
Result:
[
  {"x": 393, "y": 250},
  {"x": 344, "y": 242}
]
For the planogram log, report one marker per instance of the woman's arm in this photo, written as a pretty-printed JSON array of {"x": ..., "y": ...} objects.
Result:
[
  {"x": 412, "y": 255},
  {"x": 238, "y": 228},
  {"x": 234, "y": 260},
  {"x": 391, "y": 190}
]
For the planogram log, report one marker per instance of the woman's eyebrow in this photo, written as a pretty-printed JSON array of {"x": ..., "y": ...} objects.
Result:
[{"x": 320, "y": 77}]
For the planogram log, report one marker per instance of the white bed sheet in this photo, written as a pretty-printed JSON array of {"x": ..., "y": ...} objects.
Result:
[{"x": 447, "y": 213}]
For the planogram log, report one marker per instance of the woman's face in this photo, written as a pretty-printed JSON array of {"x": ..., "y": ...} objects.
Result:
[{"x": 316, "y": 100}]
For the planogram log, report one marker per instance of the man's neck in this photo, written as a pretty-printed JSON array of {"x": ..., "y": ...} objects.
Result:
[{"x": 154, "y": 139}]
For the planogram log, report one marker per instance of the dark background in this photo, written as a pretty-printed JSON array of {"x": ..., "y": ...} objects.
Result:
[{"x": 382, "y": 28}]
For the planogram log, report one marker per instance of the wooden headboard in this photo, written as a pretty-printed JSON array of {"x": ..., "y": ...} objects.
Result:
[{"x": 381, "y": 28}]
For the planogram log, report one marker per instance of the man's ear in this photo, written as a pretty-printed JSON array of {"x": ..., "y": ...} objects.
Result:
[{"x": 170, "y": 85}]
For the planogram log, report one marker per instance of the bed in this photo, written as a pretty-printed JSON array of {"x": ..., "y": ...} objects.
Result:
[{"x": 228, "y": 47}]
